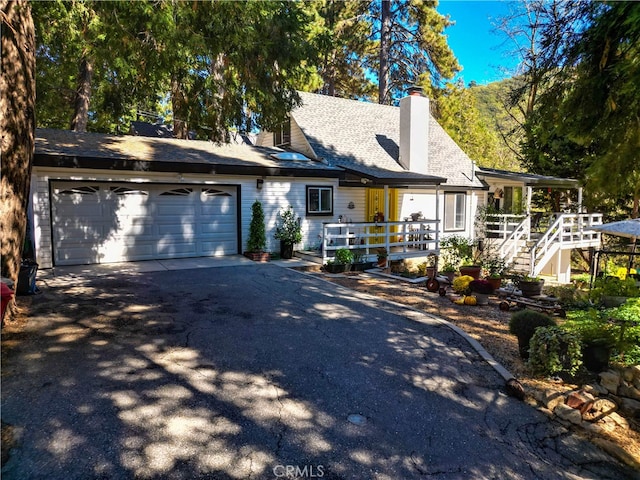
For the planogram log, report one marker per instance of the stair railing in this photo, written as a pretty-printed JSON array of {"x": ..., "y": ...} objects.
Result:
[{"x": 510, "y": 247}]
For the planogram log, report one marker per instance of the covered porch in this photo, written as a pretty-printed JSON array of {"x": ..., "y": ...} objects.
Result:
[
  {"x": 381, "y": 229},
  {"x": 531, "y": 241}
]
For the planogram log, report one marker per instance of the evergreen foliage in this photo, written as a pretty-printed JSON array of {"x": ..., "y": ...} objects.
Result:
[
  {"x": 523, "y": 325},
  {"x": 257, "y": 236}
]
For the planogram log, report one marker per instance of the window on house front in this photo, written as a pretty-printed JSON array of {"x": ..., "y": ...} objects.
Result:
[
  {"x": 454, "y": 211},
  {"x": 282, "y": 135},
  {"x": 319, "y": 200}
]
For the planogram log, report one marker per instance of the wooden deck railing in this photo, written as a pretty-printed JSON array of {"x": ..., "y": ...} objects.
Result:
[{"x": 400, "y": 239}]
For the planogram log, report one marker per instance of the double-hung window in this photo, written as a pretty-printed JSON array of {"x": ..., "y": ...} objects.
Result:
[
  {"x": 454, "y": 211},
  {"x": 319, "y": 200}
]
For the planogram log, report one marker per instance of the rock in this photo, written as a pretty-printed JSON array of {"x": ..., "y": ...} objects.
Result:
[
  {"x": 616, "y": 451},
  {"x": 579, "y": 400},
  {"x": 565, "y": 412},
  {"x": 515, "y": 389},
  {"x": 553, "y": 398},
  {"x": 610, "y": 380},
  {"x": 595, "y": 389},
  {"x": 630, "y": 407},
  {"x": 628, "y": 374},
  {"x": 636, "y": 372},
  {"x": 599, "y": 409},
  {"x": 629, "y": 392}
]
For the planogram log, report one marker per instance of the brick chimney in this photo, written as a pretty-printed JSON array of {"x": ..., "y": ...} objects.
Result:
[{"x": 414, "y": 131}]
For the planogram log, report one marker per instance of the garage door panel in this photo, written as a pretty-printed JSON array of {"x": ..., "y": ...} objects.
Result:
[
  {"x": 187, "y": 211},
  {"x": 112, "y": 222}
]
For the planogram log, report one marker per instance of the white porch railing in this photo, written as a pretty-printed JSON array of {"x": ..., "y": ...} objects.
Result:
[
  {"x": 502, "y": 225},
  {"x": 569, "y": 230},
  {"x": 400, "y": 239}
]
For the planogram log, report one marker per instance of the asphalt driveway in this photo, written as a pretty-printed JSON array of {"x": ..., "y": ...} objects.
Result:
[{"x": 260, "y": 372}]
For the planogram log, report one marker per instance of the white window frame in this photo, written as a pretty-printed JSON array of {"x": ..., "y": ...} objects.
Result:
[{"x": 455, "y": 211}]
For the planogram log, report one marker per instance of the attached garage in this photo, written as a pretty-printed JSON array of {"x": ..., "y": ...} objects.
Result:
[
  {"x": 99, "y": 198},
  {"x": 100, "y": 222}
]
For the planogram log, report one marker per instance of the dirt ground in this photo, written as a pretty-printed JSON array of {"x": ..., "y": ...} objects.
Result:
[{"x": 486, "y": 324}]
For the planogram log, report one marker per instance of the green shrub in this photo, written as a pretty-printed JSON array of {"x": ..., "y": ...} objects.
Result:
[
  {"x": 257, "y": 237},
  {"x": 568, "y": 295},
  {"x": 591, "y": 326},
  {"x": 344, "y": 256},
  {"x": 554, "y": 350},
  {"x": 523, "y": 325},
  {"x": 614, "y": 287},
  {"x": 618, "y": 327}
]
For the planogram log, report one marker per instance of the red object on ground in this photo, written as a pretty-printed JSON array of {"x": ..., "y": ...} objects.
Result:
[{"x": 5, "y": 296}]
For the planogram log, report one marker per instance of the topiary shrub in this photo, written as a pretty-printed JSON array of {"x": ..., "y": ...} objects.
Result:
[
  {"x": 554, "y": 350},
  {"x": 257, "y": 237},
  {"x": 523, "y": 325}
]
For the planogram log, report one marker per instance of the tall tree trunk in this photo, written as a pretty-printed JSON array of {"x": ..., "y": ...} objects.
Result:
[
  {"x": 80, "y": 118},
  {"x": 219, "y": 131},
  {"x": 179, "y": 107},
  {"x": 385, "y": 47},
  {"x": 17, "y": 130}
]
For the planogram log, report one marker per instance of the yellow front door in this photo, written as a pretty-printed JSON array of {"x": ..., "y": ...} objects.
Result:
[{"x": 375, "y": 210}]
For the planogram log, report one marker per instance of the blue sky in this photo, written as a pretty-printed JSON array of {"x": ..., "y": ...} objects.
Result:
[{"x": 477, "y": 48}]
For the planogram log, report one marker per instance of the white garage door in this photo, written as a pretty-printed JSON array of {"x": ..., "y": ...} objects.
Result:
[{"x": 116, "y": 222}]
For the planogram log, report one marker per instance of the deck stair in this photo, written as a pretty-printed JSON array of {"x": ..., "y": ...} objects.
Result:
[{"x": 529, "y": 253}]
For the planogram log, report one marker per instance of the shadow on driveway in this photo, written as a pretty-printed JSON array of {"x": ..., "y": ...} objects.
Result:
[{"x": 261, "y": 372}]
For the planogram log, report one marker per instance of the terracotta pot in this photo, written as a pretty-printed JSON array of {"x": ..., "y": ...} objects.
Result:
[
  {"x": 495, "y": 282},
  {"x": 472, "y": 271}
]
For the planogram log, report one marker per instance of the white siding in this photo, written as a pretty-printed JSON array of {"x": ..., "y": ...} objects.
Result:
[{"x": 277, "y": 193}]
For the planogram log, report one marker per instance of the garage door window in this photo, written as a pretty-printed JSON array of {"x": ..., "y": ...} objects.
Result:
[
  {"x": 177, "y": 192},
  {"x": 212, "y": 192},
  {"x": 319, "y": 200},
  {"x": 128, "y": 191}
]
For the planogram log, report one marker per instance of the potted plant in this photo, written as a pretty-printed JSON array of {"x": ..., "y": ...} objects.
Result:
[
  {"x": 257, "y": 240},
  {"x": 459, "y": 250},
  {"x": 448, "y": 270},
  {"x": 341, "y": 262},
  {"x": 288, "y": 231},
  {"x": 461, "y": 284},
  {"x": 597, "y": 336},
  {"x": 382, "y": 257},
  {"x": 456, "y": 249},
  {"x": 481, "y": 289},
  {"x": 530, "y": 286},
  {"x": 614, "y": 291},
  {"x": 494, "y": 268},
  {"x": 359, "y": 265}
]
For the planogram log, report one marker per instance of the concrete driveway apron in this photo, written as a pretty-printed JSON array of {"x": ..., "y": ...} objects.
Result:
[{"x": 260, "y": 372}]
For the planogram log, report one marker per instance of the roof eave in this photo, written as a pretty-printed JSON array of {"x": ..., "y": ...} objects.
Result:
[{"x": 124, "y": 164}]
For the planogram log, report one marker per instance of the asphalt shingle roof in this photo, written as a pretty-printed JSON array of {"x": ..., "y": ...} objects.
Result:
[
  {"x": 97, "y": 147},
  {"x": 364, "y": 136}
]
